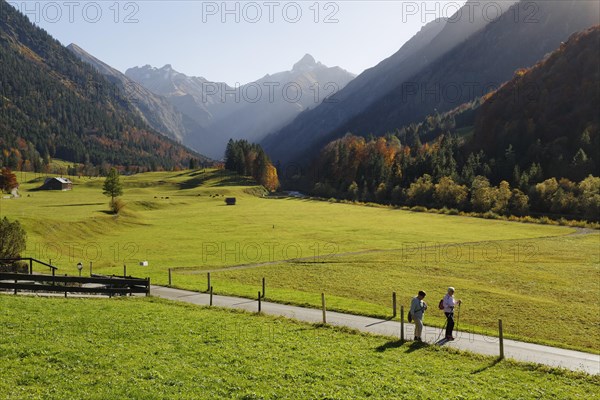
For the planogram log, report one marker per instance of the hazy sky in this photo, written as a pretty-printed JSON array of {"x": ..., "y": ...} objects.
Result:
[{"x": 235, "y": 41}]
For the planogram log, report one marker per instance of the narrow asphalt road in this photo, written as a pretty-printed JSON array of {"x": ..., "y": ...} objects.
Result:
[{"x": 520, "y": 351}]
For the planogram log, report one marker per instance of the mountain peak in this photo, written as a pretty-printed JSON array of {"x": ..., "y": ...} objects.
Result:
[
  {"x": 73, "y": 46},
  {"x": 307, "y": 62}
]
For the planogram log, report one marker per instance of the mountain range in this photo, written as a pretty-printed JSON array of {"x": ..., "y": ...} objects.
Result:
[
  {"x": 52, "y": 105},
  {"x": 249, "y": 111},
  {"x": 65, "y": 103},
  {"x": 449, "y": 62},
  {"x": 156, "y": 110}
]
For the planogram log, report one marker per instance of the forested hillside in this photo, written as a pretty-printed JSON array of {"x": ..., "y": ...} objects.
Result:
[
  {"x": 53, "y": 105},
  {"x": 549, "y": 114},
  {"x": 534, "y": 147}
]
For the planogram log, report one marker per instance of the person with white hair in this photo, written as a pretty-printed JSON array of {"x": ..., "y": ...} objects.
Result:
[{"x": 449, "y": 303}]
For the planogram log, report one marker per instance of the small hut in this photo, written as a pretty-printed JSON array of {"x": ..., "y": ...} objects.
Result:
[{"x": 57, "y": 184}]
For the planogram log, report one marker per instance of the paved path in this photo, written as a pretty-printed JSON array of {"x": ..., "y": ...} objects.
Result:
[{"x": 520, "y": 351}]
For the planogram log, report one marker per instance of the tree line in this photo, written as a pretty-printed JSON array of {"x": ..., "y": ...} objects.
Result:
[
  {"x": 249, "y": 159},
  {"x": 437, "y": 174}
]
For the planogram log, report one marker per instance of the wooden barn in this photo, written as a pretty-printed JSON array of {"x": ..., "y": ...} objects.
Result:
[{"x": 57, "y": 184}]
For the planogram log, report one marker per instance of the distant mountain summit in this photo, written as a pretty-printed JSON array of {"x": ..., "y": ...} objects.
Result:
[
  {"x": 307, "y": 63},
  {"x": 155, "y": 109},
  {"x": 448, "y": 63},
  {"x": 249, "y": 111}
]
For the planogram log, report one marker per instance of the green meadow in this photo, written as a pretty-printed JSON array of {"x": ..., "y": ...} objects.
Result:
[
  {"x": 541, "y": 280},
  {"x": 145, "y": 348}
]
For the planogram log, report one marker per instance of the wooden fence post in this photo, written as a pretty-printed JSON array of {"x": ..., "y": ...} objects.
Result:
[
  {"x": 394, "y": 307},
  {"x": 208, "y": 287},
  {"x": 211, "y": 296},
  {"x": 16, "y": 286},
  {"x": 402, "y": 323},
  {"x": 323, "y": 305},
  {"x": 30, "y": 266},
  {"x": 124, "y": 270},
  {"x": 259, "y": 303},
  {"x": 147, "y": 287},
  {"x": 91, "y": 273},
  {"x": 501, "y": 335},
  {"x": 263, "y": 287},
  {"x": 170, "y": 281}
]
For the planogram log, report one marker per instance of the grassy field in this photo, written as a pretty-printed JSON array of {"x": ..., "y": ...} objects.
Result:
[
  {"x": 526, "y": 274},
  {"x": 53, "y": 348},
  {"x": 542, "y": 294}
]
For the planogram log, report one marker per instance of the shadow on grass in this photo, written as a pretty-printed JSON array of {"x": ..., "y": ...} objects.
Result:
[
  {"x": 225, "y": 179},
  {"x": 193, "y": 182},
  {"x": 416, "y": 346},
  {"x": 486, "y": 367},
  {"x": 108, "y": 212},
  {"x": 393, "y": 344},
  {"x": 76, "y": 205}
]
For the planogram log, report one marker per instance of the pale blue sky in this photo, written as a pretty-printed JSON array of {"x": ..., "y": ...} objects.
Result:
[{"x": 192, "y": 36}]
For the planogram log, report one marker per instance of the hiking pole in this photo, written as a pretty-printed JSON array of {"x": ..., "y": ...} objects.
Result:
[
  {"x": 457, "y": 317},
  {"x": 442, "y": 331}
]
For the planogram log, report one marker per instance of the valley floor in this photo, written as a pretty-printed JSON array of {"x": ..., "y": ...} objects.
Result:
[{"x": 355, "y": 254}]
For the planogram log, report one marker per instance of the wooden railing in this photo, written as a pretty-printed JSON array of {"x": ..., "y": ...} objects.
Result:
[
  {"x": 31, "y": 261},
  {"x": 109, "y": 285}
]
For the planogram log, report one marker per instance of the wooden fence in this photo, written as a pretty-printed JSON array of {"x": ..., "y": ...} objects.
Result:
[
  {"x": 97, "y": 284},
  {"x": 30, "y": 261}
]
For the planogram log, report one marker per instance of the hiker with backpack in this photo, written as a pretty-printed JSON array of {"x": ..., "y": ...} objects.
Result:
[
  {"x": 416, "y": 313},
  {"x": 447, "y": 304}
]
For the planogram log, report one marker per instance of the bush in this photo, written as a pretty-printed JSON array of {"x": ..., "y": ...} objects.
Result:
[
  {"x": 490, "y": 215},
  {"x": 15, "y": 267},
  {"x": 12, "y": 239},
  {"x": 116, "y": 205}
]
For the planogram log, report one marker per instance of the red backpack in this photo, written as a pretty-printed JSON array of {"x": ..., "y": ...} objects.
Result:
[{"x": 441, "y": 305}]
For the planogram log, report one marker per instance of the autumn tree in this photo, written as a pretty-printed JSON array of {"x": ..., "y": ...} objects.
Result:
[
  {"x": 564, "y": 200},
  {"x": 270, "y": 180},
  {"x": 519, "y": 203},
  {"x": 482, "y": 194},
  {"x": 448, "y": 193},
  {"x": 590, "y": 197},
  {"x": 420, "y": 192},
  {"x": 502, "y": 197},
  {"x": 8, "y": 180},
  {"x": 544, "y": 191}
]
